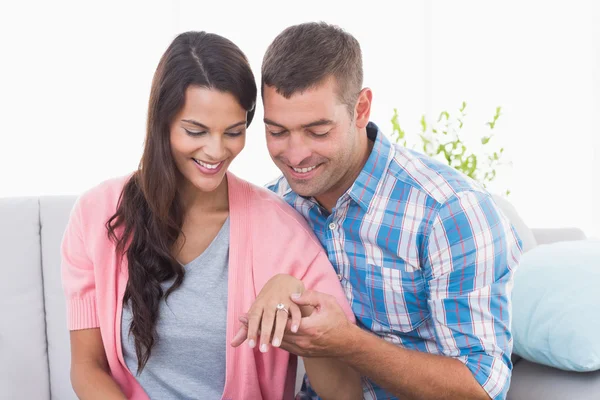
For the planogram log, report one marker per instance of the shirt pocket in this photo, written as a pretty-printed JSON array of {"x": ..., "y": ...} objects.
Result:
[{"x": 398, "y": 297}]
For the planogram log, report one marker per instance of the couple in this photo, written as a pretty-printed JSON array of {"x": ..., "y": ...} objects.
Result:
[{"x": 391, "y": 278}]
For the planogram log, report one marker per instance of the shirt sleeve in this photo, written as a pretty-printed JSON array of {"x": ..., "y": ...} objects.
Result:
[
  {"x": 469, "y": 259},
  {"x": 78, "y": 276}
]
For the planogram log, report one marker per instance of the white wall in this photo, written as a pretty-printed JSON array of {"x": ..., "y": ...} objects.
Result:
[
  {"x": 535, "y": 59},
  {"x": 595, "y": 226},
  {"x": 75, "y": 78}
]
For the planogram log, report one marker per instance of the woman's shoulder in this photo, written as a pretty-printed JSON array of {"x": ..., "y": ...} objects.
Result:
[
  {"x": 275, "y": 216},
  {"x": 103, "y": 198}
]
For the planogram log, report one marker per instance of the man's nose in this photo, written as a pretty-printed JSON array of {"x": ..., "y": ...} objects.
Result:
[{"x": 298, "y": 150}]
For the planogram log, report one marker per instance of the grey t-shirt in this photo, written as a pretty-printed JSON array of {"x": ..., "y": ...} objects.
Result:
[{"x": 188, "y": 359}]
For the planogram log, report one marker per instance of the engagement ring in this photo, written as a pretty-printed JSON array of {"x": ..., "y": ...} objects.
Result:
[{"x": 281, "y": 307}]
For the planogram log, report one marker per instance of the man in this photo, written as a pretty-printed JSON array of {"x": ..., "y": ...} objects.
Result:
[{"x": 422, "y": 252}]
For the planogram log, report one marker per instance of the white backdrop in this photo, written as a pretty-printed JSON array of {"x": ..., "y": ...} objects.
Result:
[{"x": 75, "y": 79}]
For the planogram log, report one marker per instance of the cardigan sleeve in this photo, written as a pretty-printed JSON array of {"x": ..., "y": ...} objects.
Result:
[
  {"x": 78, "y": 277},
  {"x": 285, "y": 244},
  {"x": 320, "y": 276}
]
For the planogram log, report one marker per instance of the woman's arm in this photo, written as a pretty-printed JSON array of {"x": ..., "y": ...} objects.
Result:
[
  {"x": 332, "y": 379},
  {"x": 90, "y": 376},
  {"x": 329, "y": 377}
]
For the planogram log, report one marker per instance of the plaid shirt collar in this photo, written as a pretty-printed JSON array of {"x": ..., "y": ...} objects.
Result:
[{"x": 365, "y": 186}]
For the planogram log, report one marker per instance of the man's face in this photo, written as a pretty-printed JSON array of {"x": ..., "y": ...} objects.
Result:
[{"x": 312, "y": 139}]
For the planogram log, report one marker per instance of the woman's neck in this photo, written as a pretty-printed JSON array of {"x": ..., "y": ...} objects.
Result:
[{"x": 194, "y": 199}]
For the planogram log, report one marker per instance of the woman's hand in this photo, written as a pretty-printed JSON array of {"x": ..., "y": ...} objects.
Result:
[{"x": 266, "y": 319}]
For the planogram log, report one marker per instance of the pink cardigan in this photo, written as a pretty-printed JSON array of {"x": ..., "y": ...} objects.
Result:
[{"x": 267, "y": 237}]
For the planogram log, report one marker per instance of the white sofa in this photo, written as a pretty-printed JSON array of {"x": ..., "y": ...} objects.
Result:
[{"x": 34, "y": 343}]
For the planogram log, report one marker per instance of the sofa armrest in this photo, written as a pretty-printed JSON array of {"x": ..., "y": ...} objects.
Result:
[{"x": 552, "y": 235}]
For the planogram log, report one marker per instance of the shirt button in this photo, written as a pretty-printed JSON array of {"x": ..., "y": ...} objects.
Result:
[
  {"x": 332, "y": 225},
  {"x": 339, "y": 276}
]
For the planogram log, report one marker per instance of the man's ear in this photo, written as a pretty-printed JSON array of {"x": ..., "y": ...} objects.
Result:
[{"x": 362, "y": 109}]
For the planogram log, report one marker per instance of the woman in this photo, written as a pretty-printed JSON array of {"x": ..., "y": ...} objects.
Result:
[{"x": 159, "y": 266}]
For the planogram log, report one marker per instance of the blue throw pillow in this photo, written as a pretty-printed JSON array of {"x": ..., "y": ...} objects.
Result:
[{"x": 556, "y": 306}]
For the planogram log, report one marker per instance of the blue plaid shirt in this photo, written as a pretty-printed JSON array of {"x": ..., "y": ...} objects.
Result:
[{"x": 426, "y": 260}]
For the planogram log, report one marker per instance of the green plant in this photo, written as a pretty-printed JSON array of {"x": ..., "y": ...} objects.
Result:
[{"x": 445, "y": 140}]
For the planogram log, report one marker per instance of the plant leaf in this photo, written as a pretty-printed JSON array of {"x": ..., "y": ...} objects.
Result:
[{"x": 444, "y": 114}]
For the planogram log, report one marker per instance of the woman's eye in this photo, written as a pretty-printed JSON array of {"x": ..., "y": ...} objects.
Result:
[
  {"x": 194, "y": 133},
  {"x": 234, "y": 134}
]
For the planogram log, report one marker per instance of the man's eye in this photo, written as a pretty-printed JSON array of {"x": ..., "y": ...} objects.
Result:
[
  {"x": 279, "y": 133},
  {"x": 320, "y": 134}
]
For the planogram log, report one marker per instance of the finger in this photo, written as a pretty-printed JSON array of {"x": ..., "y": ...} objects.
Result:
[
  {"x": 266, "y": 326},
  {"x": 293, "y": 346},
  {"x": 290, "y": 348},
  {"x": 281, "y": 318},
  {"x": 244, "y": 321},
  {"x": 254, "y": 319},
  {"x": 289, "y": 338},
  {"x": 308, "y": 298},
  {"x": 296, "y": 316},
  {"x": 304, "y": 322},
  {"x": 307, "y": 310},
  {"x": 240, "y": 336}
]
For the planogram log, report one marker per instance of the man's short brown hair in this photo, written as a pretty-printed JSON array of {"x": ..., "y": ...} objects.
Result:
[{"x": 303, "y": 56}]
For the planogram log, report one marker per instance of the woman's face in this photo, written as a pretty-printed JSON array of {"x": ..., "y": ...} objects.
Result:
[{"x": 206, "y": 135}]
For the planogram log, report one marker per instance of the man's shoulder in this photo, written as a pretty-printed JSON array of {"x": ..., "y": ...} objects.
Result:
[
  {"x": 279, "y": 186},
  {"x": 435, "y": 179}
]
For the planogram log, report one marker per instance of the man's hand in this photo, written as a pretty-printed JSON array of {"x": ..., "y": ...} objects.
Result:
[{"x": 325, "y": 333}]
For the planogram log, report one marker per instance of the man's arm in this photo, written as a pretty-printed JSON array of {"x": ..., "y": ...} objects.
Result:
[
  {"x": 469, "y": 260},
  {"x": 411, "y": 374},
  {"x": 406, "y": 373},
  {"x": 470, "y": 257}
]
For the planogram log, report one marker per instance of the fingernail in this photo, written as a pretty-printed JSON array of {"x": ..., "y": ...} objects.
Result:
[
  {"x": 294, "y": 328},
  {"x": 295, "y": 295},
  {"x": 276, "y": 342},
  {"x": 263, "y": 348},
  {"x": 251, "y": 343}
]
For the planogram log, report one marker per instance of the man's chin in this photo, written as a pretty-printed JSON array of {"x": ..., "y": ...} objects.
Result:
[{"x": 300, "y": 186}]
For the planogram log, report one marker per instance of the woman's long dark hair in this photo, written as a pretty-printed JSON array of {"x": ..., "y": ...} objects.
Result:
[{"x": 150, "y": 215}]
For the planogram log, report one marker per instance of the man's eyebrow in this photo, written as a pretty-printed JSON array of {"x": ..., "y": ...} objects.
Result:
[
  {"x": 200, "y": 125},
  {"x": 319, "y": 122},
  {"x": 269, "y": 122}
]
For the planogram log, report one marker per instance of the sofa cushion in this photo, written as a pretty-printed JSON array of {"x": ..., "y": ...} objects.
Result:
[
  {"x": 23, "y": 360},
  {"x": 555, "y": 305},
  {"x": 525, "y": 234},
  {"x": 534, "y": 381},
  {"x": 54, "y": 215}
]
